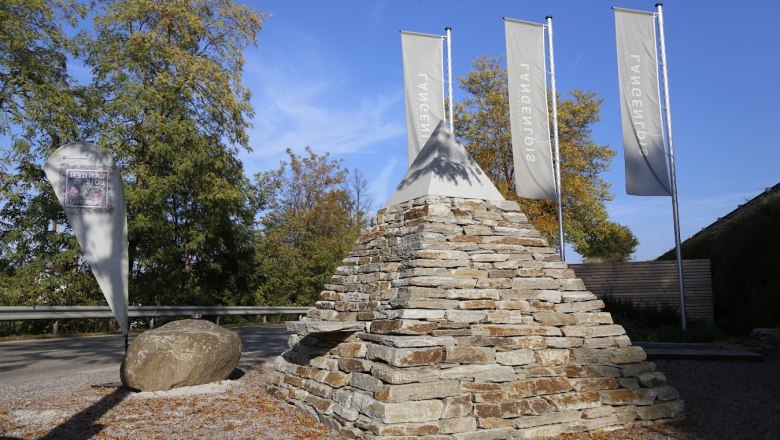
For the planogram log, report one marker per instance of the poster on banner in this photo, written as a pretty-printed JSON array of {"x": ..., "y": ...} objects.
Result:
[
  {"x": 640, "y": 104},
  {"x": 91, "y": 193},
  {"x": 529, "y": 117},
  {"x": 423, "y": 65}
]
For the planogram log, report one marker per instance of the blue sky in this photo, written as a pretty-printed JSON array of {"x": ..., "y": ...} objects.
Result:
[{"x": 328, "y": 75}]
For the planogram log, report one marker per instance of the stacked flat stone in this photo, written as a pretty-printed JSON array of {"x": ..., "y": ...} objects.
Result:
[{"x": 453, "y": 319}]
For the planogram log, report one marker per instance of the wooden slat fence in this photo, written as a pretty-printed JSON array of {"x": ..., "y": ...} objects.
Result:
[{"x": 653, "y": 283}]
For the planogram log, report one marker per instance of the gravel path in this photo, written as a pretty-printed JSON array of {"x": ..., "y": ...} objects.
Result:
[{"x": 725, "y": 400}]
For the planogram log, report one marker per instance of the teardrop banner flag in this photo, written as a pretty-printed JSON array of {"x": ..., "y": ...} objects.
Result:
[
  {"x": 423, "y": 61},
  {"x": 640, "y": 104},
  {"x": 529, "y": 123},
  {"x": 92, "y": 194}
]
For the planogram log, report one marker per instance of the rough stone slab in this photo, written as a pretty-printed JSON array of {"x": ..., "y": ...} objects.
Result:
[
  {"x": 306, "y": 327},
  {"x": 395, "y": 375},
  {"x": 402, "y": 327},
  {"x": 515, "y": 357},
  {"x": 645, "y": 396},
  {"x": 556, "y": 318},
  {"x": 514, "y": 330},
  {"x": 438, "y": 304},
  {"x": 667, "y": 410},
  {"x": 350, "y": 365},
  {"x": 633, "y": 370},
  {"x": 486, "y": 434},
  {"x": 574, "y": 296},
  {"x": 406, "y": 357},
  {"x": 470, "y": 355},
  {"x": 579, "y": 307},
  {"x": 443, "y": 282},
  {"x": 415, "y": 314},
  {"x": 564, "y": 342},
  {"x": 508, "y": 317},
  {"x": 539, "y": 387},
  {"x": 456, "y": 425},
  {"x": 480, "y": 373},
  {"x": 547, "y": 419},
  {"x": 418, "y": 391},
  {"x": 466, "y": 315},
  {"x": 409, "y": 341},
  {"x": 595, "y": 383},
  {"x": 542, "y": 283},
  {"x": 417, "y": 411},
  {"x": 627, "y": 355},
  {"x": 457, "y": 406},
  {"x": 472, "y": 294},
  {"x": 552, "y": 357},
  {"x": 652, "y": 380},
  {"x": 575, "y": 401}
]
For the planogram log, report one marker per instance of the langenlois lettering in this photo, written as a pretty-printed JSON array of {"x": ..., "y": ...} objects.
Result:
[
  {"x": 527, "y": 131},
  {"x": 637, "y": 105},
  {"x": 423, "y": 106},
  {"x": 86, "y": 188}
]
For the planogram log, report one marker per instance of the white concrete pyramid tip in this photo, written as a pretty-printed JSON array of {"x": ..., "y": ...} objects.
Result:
[{"x": 443, "y": 167}]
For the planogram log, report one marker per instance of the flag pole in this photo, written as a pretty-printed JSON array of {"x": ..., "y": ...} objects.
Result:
[
  {"x": 675, "y": 209},
  {"x": 448, "y": 30},
  {"x": 558, "y": 187}
]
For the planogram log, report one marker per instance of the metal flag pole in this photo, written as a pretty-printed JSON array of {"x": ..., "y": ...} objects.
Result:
[
  {"x": 558, "y": 187},
  {"x": 448, "y": 30},
  {"x": 675, "y": 209}
]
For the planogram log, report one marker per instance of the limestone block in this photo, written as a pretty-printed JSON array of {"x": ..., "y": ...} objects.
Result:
[
  {"x": 581, "y": 306},
  {"x": 442, "y": 304},
  {"x": 480, "y": 304},
  {"x": 347, "y": 413},
  {"x": 652, "y": 380},
  {"x": 417, "y": 411},
  {"x": 515, "y": 357},
  {"x": 564, "y": 342},
  {"x": 406, "y": 357},
  {"x": 443, "y": 282},
  {"x": 414, "y": 314},
  {"x": 518, "y": 304},
  {"x": 472, "y": 294},
  {"x": 480, "y": 373},
  {"x": 633, "y": 370},
  {"x": 457, "y": 406},
  {"x": 595, "y": 383},
  {"x": 410, "y": 341},
  {"x": 402, "y": 327},
  {"x": 494, "y": 283},
  {"x": 627, "y": 355},
  {"x": 455, "y": 425},
  {"x": 525, "y": 407},
  {"x": 470, "y": 355},
  {"x": 485, "y": 434},
  {"x": 466, "y": 315},
  {"x": 554, "y": 318},
  {"x": 352, "y": 350},
  {"x": 349, "y": 365},
  {"x": 394, "y": 375},
  {"x": 335, "y": 379},
  {"x": 417, "y": 391},
  {"x": 665, "y": 410},
  {"x": 434, "y": 254},
  {"x": 666, "y": 393},
  {"x": 318, "y": 389},
  {"x": 552, "y": 357},
  {"x": 541, "y": 283},
  {"x": 514, "y": 330},
  {"x": 469, "y": 273},
  {"x": 509, "y": 317},
  {"x": 575, "y": 401},
  {"x": 644, "y": 396},
  {"x": 548, "y": 419},
  {"x": 365, "y": 382},
  {"x": 575, "y": 296},
  {"x": 324, "y": 363},
  {"x": 599, "y": 412},
  {"x": 538, "y": 386}
]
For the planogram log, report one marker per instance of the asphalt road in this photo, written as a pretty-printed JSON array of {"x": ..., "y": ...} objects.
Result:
[{"x": 27, "y": 361}]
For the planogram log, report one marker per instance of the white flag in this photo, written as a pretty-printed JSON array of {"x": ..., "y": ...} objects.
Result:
[
  {"x": 423, "y": 61},
  {"x": 92, "y": 194},
  {"x": 527, "y": 82},
  {"x": 640, "y": 104}
]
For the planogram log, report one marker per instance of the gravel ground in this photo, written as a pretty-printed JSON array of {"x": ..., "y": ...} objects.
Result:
[{"x": 725, "y": 400}]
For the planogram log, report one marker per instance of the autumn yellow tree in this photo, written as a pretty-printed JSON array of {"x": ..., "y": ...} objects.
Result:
[{"x": 482, "y": 124}]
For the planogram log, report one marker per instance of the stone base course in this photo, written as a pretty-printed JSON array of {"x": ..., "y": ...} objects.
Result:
[{"x": 453, "y": 319}]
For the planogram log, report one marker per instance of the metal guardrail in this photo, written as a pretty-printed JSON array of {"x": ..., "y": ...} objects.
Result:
[{"x": 19, "y": 313}]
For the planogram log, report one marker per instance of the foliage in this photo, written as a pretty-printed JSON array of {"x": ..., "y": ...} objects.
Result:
[
  {"x": 166, "y": 102},
  {"x": 482, "y": 124},
  {"x": 744, "y": 252},
  {"x": 314, "y": 215}
]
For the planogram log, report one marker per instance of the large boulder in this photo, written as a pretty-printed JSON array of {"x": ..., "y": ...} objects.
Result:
[{"x": 180, "y": 353}]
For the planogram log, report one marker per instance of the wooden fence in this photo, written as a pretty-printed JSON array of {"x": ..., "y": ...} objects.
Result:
[{"x": 653, "y": 283}]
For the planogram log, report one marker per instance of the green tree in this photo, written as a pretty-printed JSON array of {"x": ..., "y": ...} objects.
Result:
[
  {"x": 174, "y": 118},
  {"x": 40, "y": 109},
  {"x": 313, "y": 217},
  {"x": 482, "y": 124}
]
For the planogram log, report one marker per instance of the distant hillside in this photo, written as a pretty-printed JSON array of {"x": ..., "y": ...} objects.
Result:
[{"x": 744, "y": 250}]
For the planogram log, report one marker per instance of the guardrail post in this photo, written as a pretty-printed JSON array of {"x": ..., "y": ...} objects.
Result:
[
  {"x": 55, "y": 327},
  {"x": 151, "y": 323},
  {"x": 217, "y": 320}
]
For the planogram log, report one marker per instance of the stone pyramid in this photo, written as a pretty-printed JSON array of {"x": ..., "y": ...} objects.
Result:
[
  {"x": 443, "y": 167},
  {"x": 453, "y": 319}
]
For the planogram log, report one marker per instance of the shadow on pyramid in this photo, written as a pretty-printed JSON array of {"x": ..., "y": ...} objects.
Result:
[{"x": 452, "y": 318}]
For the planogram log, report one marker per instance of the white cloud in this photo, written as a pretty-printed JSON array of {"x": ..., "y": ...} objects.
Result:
[{"x": 303, "y": 99}]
